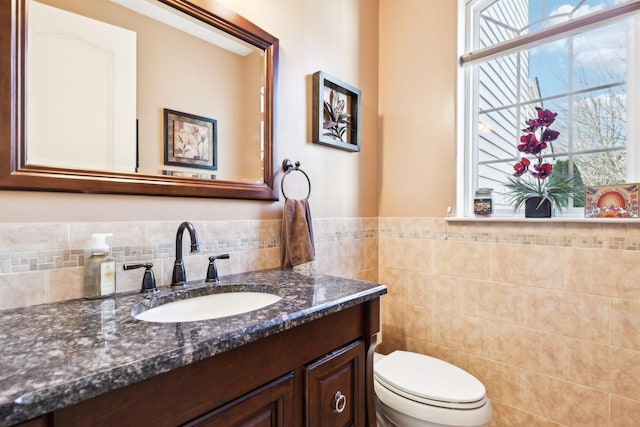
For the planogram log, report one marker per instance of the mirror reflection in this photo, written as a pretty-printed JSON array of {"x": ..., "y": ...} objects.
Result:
[{"x": 133, "y": 86}]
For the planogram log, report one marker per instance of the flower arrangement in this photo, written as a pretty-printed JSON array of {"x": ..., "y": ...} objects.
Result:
[{"x": 540, "y": 180}]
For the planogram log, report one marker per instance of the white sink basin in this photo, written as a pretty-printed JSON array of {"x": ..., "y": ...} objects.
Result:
[{"x": 208, "y": 307}]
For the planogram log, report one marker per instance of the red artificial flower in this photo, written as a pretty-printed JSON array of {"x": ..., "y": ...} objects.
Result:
[
  {"x": 549, "y": 135},
  {"x": 530, "y": 144},
  {"x": 545, "y": 117},
  {"x": 533, "y": 126},
  {"x": 521, "y": 167},
  {"x": 542, "y": 171},
  {"x": 527, "y": 141}
]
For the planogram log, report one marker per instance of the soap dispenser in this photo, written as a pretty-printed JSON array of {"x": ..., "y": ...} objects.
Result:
[{"x": 100, "y": 270}]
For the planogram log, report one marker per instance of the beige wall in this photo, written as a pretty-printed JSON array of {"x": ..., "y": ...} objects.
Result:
[
  {"x": 344, "y": 184},
  {"x": 417, "y": 106}
]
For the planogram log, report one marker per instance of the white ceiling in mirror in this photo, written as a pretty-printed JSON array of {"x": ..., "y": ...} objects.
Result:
[{"x": 167, "y": 15}]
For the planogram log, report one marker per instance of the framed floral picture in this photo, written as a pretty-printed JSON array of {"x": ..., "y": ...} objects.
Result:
[
  {"x": 336, "y": 113},
  {"x": 190, "y": 140}
]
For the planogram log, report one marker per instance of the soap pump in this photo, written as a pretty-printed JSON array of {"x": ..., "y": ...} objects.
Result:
[{"x": 100, "y": 270}]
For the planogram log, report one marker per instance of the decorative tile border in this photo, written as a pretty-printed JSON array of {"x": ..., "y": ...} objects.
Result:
[
  {"x": 256, "y": 235},
  {"x": 610, "y": 236},
  {"x": 267, "y": 237}
]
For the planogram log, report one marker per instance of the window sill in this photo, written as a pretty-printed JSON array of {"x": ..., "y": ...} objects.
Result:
[{"x": 553, "y": 220}]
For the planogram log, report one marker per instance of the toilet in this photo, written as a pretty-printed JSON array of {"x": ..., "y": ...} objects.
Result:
[{"x": 414, "y": 390}]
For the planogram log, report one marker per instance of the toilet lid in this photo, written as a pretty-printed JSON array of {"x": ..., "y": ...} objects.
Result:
[{"x": 430, "y": 380}]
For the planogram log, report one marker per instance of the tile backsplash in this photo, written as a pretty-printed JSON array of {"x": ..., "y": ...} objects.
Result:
[{"x": 44, "y": 262}]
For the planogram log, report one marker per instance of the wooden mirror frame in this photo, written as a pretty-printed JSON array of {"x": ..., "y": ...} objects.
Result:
[{"x": 16, "y": 174}]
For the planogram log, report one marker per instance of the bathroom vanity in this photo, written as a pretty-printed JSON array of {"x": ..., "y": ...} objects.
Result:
[{"x": 304, "y": 360}]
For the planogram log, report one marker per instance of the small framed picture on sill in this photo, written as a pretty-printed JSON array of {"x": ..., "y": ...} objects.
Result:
[{"x": 611, "y": 201}]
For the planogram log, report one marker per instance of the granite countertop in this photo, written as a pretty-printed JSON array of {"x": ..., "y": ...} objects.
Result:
[{"x": 55, "y": 355}]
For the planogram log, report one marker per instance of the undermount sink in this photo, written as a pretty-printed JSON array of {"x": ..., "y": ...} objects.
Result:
[{"x": 205, "y": 307}]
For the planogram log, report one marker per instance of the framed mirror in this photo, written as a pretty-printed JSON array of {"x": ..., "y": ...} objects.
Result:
[{"x": 149, "y": 97}]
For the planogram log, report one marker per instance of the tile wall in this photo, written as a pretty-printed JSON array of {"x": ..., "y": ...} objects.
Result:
[
  {"x": 547, "y": 316},
  {"x": 44, "y": 262}
]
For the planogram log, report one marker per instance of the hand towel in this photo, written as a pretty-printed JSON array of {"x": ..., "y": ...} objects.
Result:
[{"x": 297, "y": 239}]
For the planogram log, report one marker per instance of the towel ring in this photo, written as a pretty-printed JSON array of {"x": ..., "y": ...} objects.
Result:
[{"x": 288, "y": 167}]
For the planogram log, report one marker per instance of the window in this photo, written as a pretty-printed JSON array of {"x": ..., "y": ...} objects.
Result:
[{"x": 578, "y": 58}]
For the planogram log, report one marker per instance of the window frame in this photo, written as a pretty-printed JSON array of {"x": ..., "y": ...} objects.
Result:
[{"x": 467, "y": 90}]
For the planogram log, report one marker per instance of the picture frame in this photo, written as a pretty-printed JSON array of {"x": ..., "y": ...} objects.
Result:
[
  {"x": 336, "y": 113},
  {"x": 612, "y": 201},
  {"x": 190, "y": 140}
]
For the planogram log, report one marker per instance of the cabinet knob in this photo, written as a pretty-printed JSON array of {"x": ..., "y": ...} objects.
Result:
[{"x": 339, "y": 402}]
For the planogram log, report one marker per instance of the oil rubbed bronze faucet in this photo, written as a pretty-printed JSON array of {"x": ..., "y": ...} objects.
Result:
[
  {"x": 212, "y": 270},
  {"x": 148, "y": 280},
  {"x": 179, "y": 277}
]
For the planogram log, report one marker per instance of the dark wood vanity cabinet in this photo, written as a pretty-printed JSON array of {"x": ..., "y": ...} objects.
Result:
[
  {"x": 268, "y": 406},
  {"x": 334, "y": 396},
  {"x": 335, "y": 388},
  {"x": 317, "y": 374}
]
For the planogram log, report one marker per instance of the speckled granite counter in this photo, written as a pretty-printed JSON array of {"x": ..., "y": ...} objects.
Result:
[{"x": 55, "y": 355}]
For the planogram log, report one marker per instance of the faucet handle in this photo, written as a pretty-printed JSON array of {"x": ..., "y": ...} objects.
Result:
[
  {"x": 148, "y": 280},
  {"x": 212, "y": 271}
]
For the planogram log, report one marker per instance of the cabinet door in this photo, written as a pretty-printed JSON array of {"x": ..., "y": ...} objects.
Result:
[
  {"x": 268, "y": 406},
  {"x": 335, "y": 388}
]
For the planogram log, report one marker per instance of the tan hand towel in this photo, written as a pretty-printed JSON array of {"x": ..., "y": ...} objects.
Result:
[{"x": 297, "y": 239}]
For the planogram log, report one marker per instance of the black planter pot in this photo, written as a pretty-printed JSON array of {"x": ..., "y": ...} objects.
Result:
[{"x": 533, "y": 208}]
